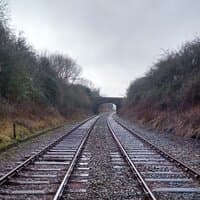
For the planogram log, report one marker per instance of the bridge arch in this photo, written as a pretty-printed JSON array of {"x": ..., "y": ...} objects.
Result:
[{"x": 101, "y": 100}]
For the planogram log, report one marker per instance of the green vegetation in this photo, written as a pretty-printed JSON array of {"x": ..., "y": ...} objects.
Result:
[
  {"x": 169, "y": 94},
  {"x": 172, "y": 83},
  {"x": 47, "y": 79},
  {"x": 37, "y": 90}
]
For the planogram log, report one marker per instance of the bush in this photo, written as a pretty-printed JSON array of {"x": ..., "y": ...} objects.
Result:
[
  {"x": 47, "y": 79},
  {"x": 172, "y": 83}
]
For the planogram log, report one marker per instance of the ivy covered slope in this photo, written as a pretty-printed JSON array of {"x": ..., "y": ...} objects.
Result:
[
  {"x": 37, "y": 90},
  {"x": 168, "y": 96}
]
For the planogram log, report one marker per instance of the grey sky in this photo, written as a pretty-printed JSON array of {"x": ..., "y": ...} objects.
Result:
[{"x": 115, "y": 41}]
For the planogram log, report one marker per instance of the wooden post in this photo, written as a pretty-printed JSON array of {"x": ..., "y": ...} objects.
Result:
[{"x": 14, "y": 130}]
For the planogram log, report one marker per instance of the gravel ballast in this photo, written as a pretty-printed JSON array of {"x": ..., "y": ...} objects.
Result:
[
  {"x": 11, "y": 157},
  {"x": 185, "y": 149},
  {"x": 105, "y": 181}
]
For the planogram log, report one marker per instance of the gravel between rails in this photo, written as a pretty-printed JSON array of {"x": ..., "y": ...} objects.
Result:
[
  {"x": 185, "y": 149},
  {"x": 9, "y": 158},
  {"x": 104, "y": 181}
]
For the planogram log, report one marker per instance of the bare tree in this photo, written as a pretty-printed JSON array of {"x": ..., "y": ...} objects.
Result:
[{"x": 66, "y": 68}]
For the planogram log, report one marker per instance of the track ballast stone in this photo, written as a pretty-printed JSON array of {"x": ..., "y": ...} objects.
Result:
[
  {"x": 105, "y": 181},
  {"x": 185, "y": 149}
]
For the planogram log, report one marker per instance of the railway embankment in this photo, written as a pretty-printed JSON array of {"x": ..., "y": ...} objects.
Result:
[
  {"x": 167, "y": 98},
  {"x": 21, "y": 125},
  {"x": 38, "y": 91}
]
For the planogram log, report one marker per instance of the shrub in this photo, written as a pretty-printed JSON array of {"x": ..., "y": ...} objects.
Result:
[{"x": 172, "y": 83}]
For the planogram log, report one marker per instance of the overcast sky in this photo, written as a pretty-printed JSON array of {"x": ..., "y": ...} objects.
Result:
[{"x": 115, "y": 41}]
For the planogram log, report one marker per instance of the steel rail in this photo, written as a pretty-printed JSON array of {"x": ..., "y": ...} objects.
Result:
[
  {"x": 171, "y": 158},
  {"x": 18, "y": 168},
  {"x": 141, "y": 180},
  {"x": 67, "y": 176}
]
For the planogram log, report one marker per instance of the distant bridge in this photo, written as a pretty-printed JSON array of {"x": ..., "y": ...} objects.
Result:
[{"x": 101, "y": 100}]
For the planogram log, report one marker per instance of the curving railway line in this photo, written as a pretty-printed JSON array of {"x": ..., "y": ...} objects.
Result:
[{"x": 62, "y": 169}]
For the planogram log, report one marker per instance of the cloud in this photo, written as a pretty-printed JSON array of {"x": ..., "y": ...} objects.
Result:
[{"x": 114, "y": 41}]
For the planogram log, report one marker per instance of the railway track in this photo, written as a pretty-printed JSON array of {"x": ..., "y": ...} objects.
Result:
[
  {"x": 45, "y": 174},
  {"x": 61, "y": 169},
  {"x": 160, "y": 175}
]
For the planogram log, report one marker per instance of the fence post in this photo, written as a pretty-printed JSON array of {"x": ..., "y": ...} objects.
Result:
[{"x": 14, "y": 130}]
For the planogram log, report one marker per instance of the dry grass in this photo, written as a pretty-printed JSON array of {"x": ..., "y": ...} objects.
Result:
[
  {"x": 185, "y": 123},
  {"x": 30, "y": 120},
  {"x": 5, "y": 132},
  {"x": 25, "y": 129}
]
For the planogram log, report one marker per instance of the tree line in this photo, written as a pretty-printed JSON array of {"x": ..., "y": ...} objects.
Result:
[
  {"x": 47, "y": 79},
  {"x": 173, "y": 82}
]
